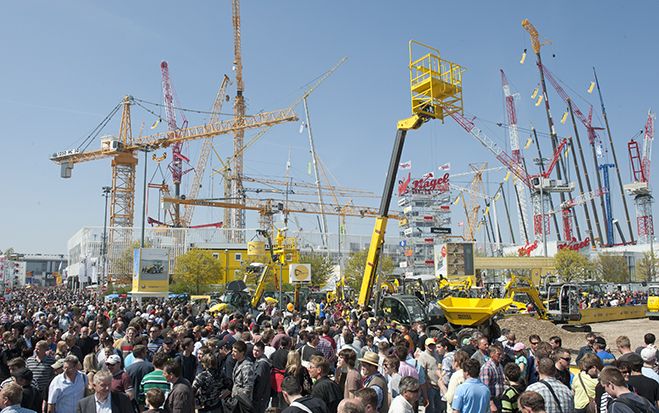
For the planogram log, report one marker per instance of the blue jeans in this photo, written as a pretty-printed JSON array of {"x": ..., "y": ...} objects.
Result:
[{"x": 434, "y": 400}]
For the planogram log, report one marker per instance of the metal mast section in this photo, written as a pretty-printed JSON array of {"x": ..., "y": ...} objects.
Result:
[
  {"x": 516, "y": 155},
  {"x": 545, "y": 199},
  {"x": 176, "y": 164},
  {"x": 587, "y": 179},
  {"x": 640, "y": 188},
  {"x": 587, "y": 122},
  {"x": 206, "y": 148},
  {"x": 536, "y": 45},
  {"x": 122, "y": 200},
  {"x": 312, "y": 149},
  {"x": 607, "y": 201},
  {"x": 539, "y": 185},
  {"x": 615, "y": 159},
  {"x": 236, "y": 217}
]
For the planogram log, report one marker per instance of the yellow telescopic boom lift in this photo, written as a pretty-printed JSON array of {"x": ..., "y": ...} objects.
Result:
[{"x": 436, "y": 92}]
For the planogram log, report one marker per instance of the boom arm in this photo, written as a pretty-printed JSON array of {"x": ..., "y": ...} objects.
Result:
[
  {"x": 498, "y": 153},
  {"x": 377, "y": 238},
  {"x": 164, "y": 139}
]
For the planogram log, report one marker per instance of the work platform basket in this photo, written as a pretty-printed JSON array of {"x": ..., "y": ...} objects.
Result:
[{"x": 435, "y": 84}]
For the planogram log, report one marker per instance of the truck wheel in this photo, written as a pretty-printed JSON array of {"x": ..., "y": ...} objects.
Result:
[
  {"x": 464, "y": 333},
  {"x": 582, "y": 328}
]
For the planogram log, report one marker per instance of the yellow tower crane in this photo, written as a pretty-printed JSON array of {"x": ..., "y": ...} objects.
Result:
[{"x": 122, "y": 150}]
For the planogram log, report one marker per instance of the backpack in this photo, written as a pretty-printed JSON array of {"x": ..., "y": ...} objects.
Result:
[{"x": 647, "y": 407}]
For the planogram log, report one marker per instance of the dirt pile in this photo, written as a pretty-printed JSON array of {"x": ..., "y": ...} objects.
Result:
[{"x": 523, "y": 326}]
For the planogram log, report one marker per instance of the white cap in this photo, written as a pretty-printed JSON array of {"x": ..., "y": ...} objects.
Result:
[{"x": 649, "y": 354}]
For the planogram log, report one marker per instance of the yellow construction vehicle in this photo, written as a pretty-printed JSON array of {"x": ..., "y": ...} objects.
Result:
[
  {"x": 653, "y": 303},
  {"x": 436, "y": 92}
]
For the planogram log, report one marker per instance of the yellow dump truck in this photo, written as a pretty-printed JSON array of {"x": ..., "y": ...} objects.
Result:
[{"x": 653, "y": 303}]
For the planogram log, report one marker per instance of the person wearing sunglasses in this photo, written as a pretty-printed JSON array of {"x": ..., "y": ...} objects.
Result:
[
  {"x": 408, "y": 396},
  {"x": 562, "y": 360}
]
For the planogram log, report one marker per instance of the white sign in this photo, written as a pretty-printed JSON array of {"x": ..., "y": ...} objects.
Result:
[{"x": 299, "y": 273}]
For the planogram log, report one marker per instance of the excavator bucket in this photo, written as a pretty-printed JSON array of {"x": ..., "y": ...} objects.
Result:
[{"x": 472, "y": 312}]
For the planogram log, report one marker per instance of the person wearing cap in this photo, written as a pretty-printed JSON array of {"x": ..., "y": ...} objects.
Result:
[
  {"x": 120, "y": 379},
  {"x": 67, "y": 388},
  {"x": 649, "y": 356},
  {"x": 520, "y": 358},
  {"x": 373, "y": 379},
  {"x": 429, "y": 361},
  {"x": 600, "y": 350}
]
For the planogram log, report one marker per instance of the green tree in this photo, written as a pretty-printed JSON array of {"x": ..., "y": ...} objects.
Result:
[
  {"x": 354, "y": 269},
  {"x": 572, "y": 266},
  {"x": 646, "y": 268},
  {"x": 612, "y": 268},
  {"x": 196, "y": 269},
  {"x": 122, "y": 266},
  {"x": 322, "y": 267}
]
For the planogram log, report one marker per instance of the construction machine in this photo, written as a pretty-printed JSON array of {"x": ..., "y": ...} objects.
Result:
[
  {"x": 436, "y": 92},
  {"x": 653, "y": 303}
]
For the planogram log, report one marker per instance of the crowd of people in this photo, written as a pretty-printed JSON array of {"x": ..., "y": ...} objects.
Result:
[{"x": 66, "y": 352}]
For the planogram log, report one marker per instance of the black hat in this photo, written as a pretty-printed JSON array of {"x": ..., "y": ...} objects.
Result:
[{"x": 600, "y": 341}]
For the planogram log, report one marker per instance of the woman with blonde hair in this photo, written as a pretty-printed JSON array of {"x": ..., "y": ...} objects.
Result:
[{"x": 294, "y": 368}]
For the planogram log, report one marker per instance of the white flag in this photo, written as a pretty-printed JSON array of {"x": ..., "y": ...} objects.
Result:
[
  {"x": 405, "y": 165},
  {"x": 445, "y": 167},
  {"x": 428, "y": 175}
]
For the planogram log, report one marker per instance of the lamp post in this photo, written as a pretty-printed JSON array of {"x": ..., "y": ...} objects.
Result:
[
  {"x": 146, "y": 149},
  {"x": 104, "y": 245}
]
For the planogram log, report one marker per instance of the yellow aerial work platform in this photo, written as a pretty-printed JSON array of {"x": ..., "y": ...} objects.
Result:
[{"x": 435, "y": 84}]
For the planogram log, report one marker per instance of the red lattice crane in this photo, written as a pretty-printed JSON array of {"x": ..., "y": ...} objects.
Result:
[
  {"x": 176, "y": 164},
  {"x": 640, "y": 188},
  {"x": 540, "y": 185}
]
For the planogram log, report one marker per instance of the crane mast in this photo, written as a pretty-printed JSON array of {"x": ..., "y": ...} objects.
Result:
[
  {"x": 236, "y": 217},
  {"x": 204, "y": 154},
  {"x": 640, "y": 188},
  {"x": 516, "y": 154},
  {"x": 176, "y": 164}
]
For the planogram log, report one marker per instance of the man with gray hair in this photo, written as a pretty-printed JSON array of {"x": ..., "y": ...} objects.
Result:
[
  {"x": 408, "y": 395},
  {"x": 68, "y": 388},
  {"x": 104, "y": 400}
]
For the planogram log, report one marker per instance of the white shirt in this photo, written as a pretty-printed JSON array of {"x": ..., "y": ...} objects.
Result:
[
  {"x": 104, "y": 406},
  {"x": 400, "y": 405}
]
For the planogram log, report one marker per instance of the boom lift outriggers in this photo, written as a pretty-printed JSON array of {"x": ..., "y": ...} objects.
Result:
[{"x": 436, "y": 92}]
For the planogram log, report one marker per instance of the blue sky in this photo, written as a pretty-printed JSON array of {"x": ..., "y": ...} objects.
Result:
[{"x": 67, "y": 64}]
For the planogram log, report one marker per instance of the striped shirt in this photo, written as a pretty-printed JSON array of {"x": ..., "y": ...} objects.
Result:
[
  {"x": 154, "y": 380},
  {"x": 42, "y": 372}
]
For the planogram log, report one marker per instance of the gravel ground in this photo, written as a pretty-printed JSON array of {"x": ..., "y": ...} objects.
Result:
[{"x": 523, "y": 326}]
